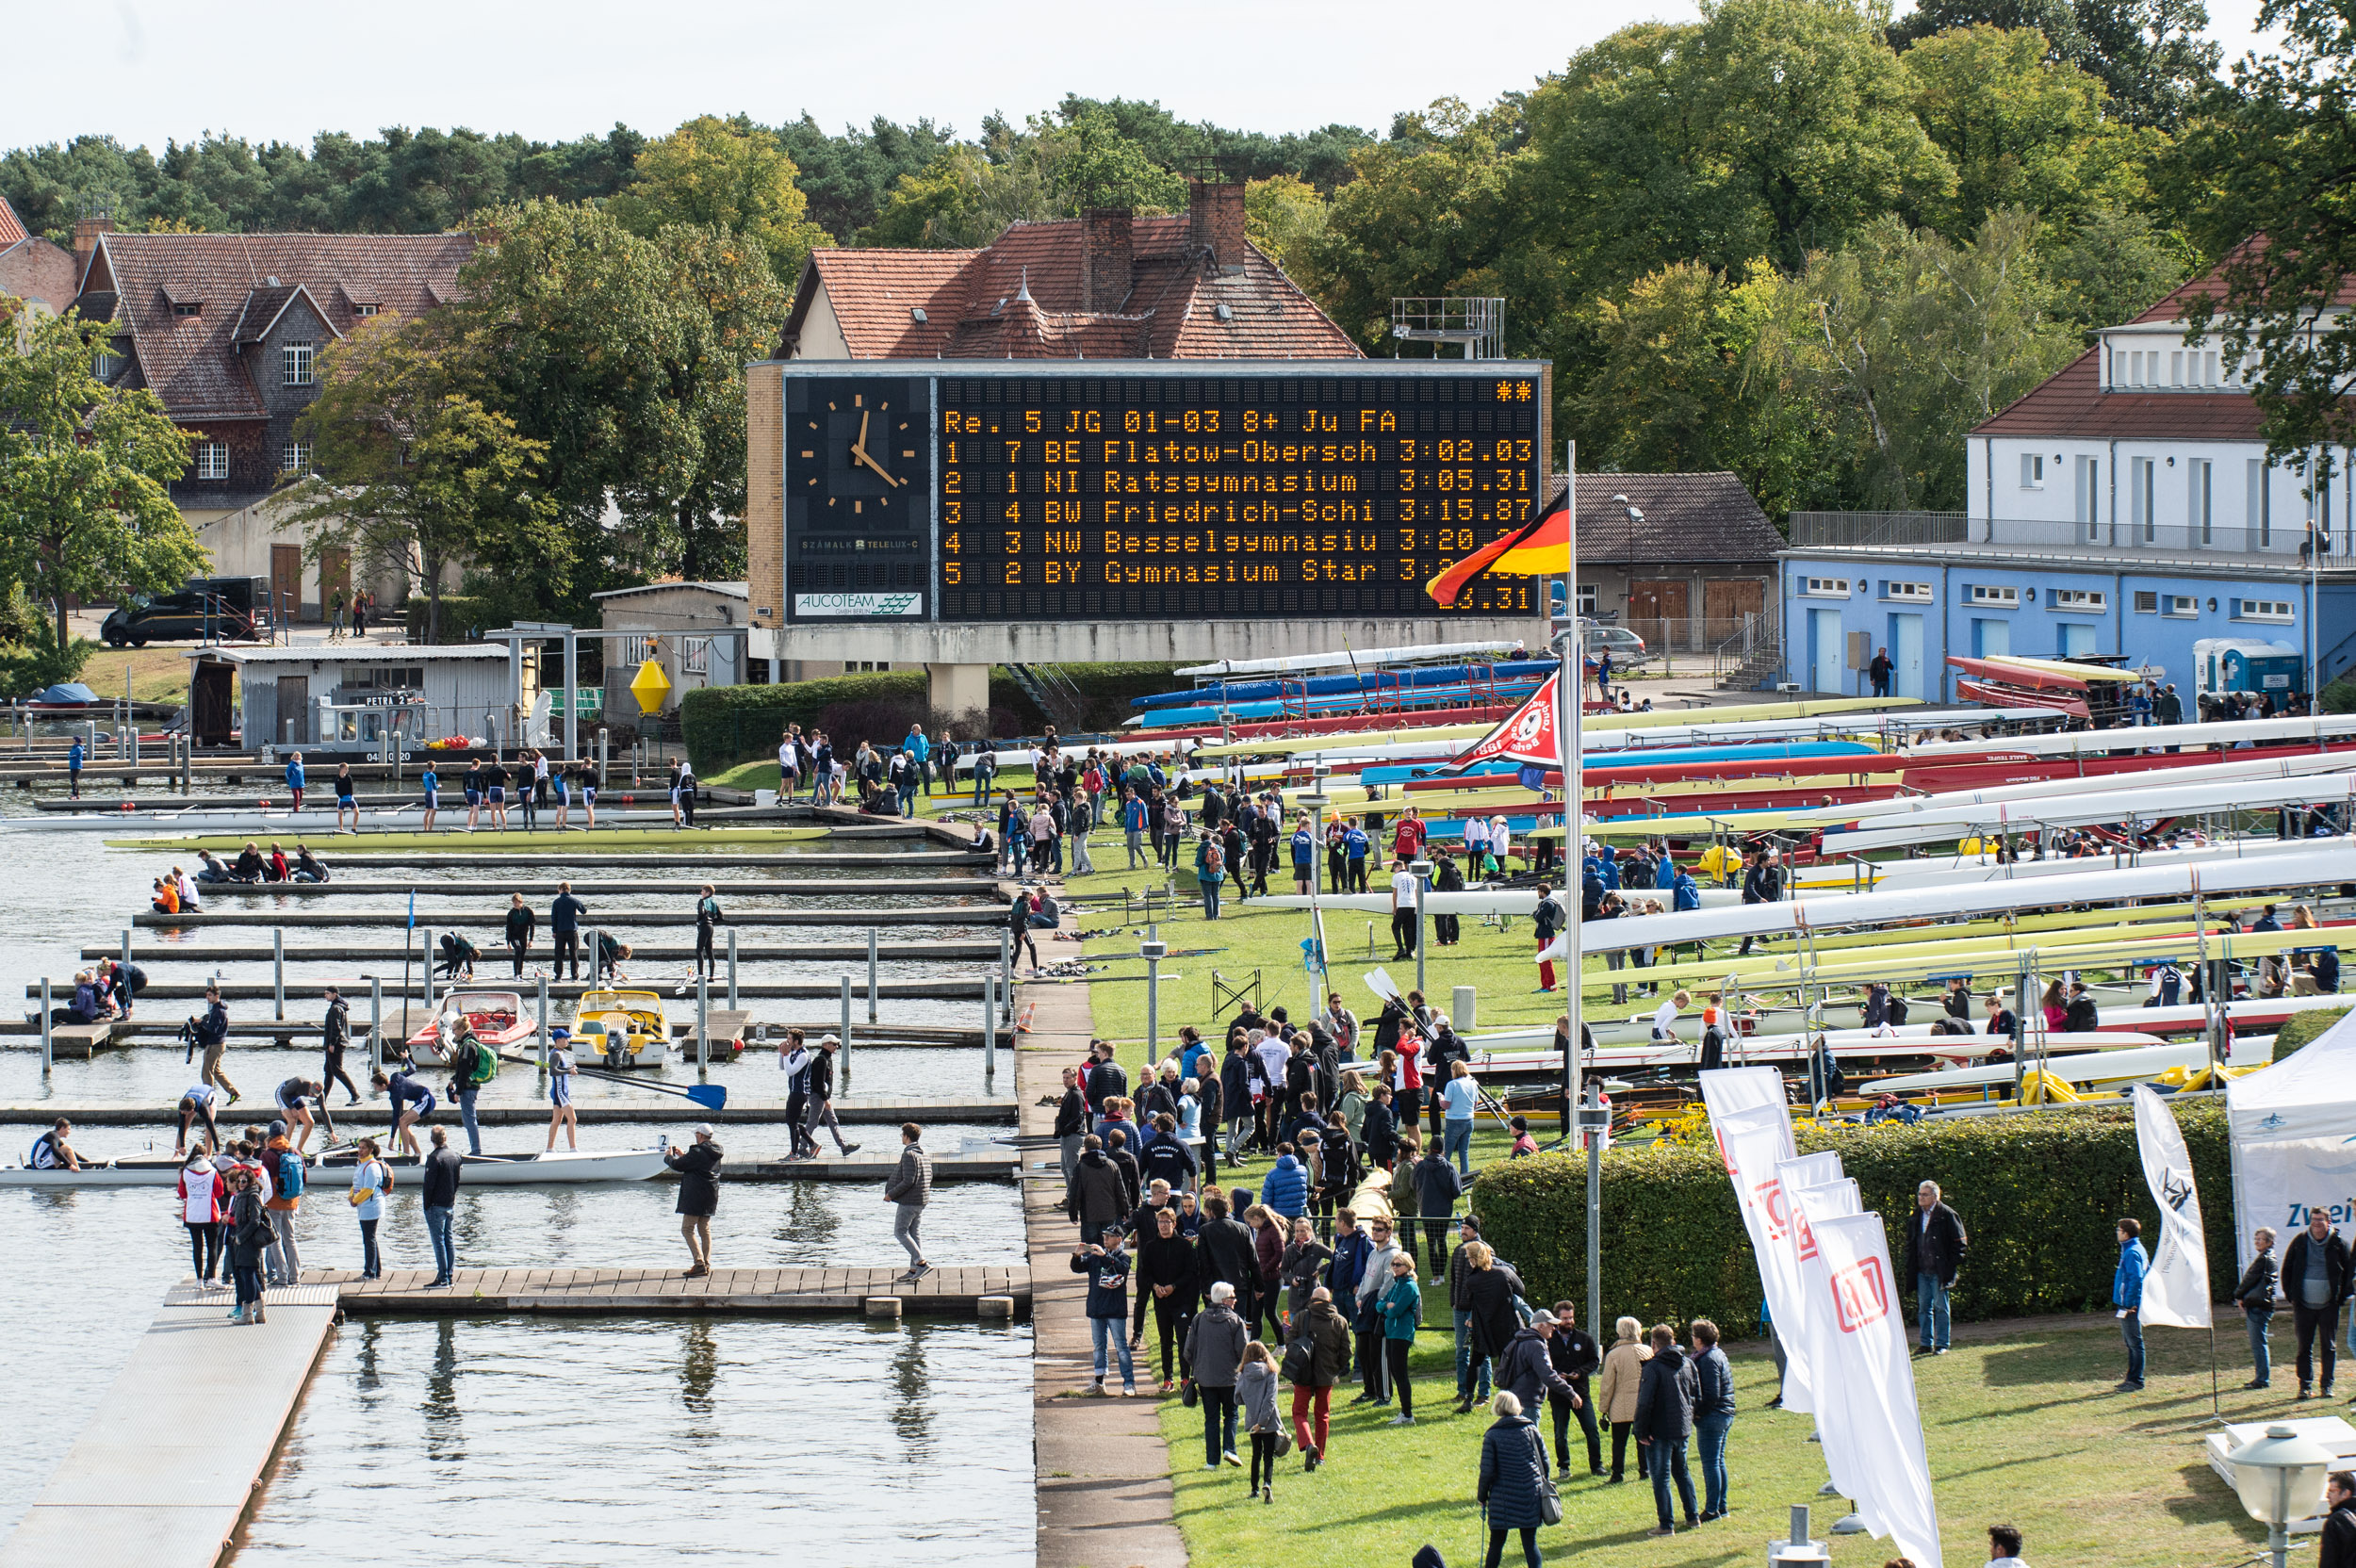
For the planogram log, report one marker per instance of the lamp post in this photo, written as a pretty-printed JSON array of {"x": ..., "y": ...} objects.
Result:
[
  {"x": 1570, "y": 646},
  {"x": 1316, "y": 800},
  {"x": 1153, "y": 950},
  {"x": 2279, "y": 1480}
]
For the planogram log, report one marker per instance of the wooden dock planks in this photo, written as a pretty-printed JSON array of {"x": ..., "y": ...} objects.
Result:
[{"x": 952, "y": 1292}]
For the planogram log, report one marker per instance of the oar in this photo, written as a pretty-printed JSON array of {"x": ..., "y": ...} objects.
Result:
[{"x": 711, "y": 1097}]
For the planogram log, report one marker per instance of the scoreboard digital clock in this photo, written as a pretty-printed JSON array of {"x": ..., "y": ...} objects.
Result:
[{"x": 1017, "y": 491}]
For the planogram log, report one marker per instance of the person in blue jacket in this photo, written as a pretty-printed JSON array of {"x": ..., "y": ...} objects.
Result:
[
  {"x": 1286, "y": 1190},
  {"x": 920, "y": 749},
  {"x": 294, "y": 778},
  {"x": 1354, "y": 844},
  {"x": 1685, "y": 893},
  {"x": 74, "y": 757},
  {"x": 1107, "y": 1269},
  {"x": 1304, "y": 848},
  {"x": 2127, "y": 1295}
]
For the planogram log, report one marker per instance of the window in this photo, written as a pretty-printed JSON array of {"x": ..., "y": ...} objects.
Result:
[
  {"x": 104, "y": 364},
  {"x": 2259, "y": 522},
  {"x": 1996, "y": 594},
  {"x": 2147, "y": 602},
  {"x": 697, "y": 660},
  {"x": 858, "y": 666},
  {"x": 2087, "y": 489},
  {"x": 1587, "y": 599},
  {"x": 2032, "y": 470},
  {"x": 295, "y": 361},
  {"x": 212, "y": 460},
  {"x": 2176, "y": 368},
  {"x": 2079, "y": 598},
  {"x": 363, "y": 310},
  {"x": 2200, "y": 496},
  {"x": 1914, "y": 592},
  {"x": 295, "y": 457},
  {"x": 2319, "y": 520},
  {"x": 2278, "y": 611},
  {"x": 2183, "y": 606},
  {"x": 1826, "y": 587},
  {"x": 637, "y": 650},
  {"x": 2139, "y": 481},
  {"x": 187, "y": 307}
]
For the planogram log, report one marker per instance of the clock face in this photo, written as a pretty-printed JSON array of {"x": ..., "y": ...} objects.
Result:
[{"x": 857, "y": 454}]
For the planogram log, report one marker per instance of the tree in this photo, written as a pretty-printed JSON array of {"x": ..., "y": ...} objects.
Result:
[
  {"x": 2023, "y": 129},
  {"x": 1684, "y": 384},
  {"x": 411, "y": 469},
  {"x": 969, "y": 194},
  {"x": 849, "y": 177},
  {"x": 1283, "y": 215},
  {"x": 2267, "y": 177},
  {"x": 1917, "y": 339},
  {"x": 86, "y": 471},
  {"x": 2149, "y": 54},
  {"x": 727, "y": 172},
  {"x": 2110, "y": 265}
]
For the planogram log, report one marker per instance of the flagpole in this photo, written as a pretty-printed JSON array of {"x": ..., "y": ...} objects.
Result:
[{"x": 1570, "y": 701}]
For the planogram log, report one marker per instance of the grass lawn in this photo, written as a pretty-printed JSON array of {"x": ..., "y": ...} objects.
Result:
[
  {"x": 490, "y": 841},
  {"x": 2024, "y": 1431}
]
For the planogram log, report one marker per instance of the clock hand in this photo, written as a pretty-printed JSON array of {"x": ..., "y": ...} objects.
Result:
[
  {"x": 858, "y": 448},
  {"x": 860, "y": 453}
]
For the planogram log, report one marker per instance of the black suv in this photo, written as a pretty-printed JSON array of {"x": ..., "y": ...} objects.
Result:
[{"x": 222, "y": 605}]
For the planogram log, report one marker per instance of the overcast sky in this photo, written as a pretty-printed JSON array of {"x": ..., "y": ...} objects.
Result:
[{"x": 147, "y": 71}]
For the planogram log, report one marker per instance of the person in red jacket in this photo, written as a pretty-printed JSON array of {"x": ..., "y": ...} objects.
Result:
[
  {"x": 1407, "y": 838},
  {"x": 204, "y": 1199}
]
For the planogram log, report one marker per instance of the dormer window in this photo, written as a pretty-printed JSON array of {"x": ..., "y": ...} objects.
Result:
[
  {"x": 187, "y": 307},
  {"x": 358, "y": 309}
]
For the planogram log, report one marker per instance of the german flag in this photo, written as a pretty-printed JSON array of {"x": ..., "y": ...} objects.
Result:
[{"x": 1541, "y": 550}]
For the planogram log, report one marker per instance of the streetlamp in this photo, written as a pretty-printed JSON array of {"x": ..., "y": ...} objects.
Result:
[
  {"x": 1316, "y": 800},
  {"x": 1421, "y": 872},
  {"x": 1153, "y": 950},
  {"x": 2280, "y": 1480}
]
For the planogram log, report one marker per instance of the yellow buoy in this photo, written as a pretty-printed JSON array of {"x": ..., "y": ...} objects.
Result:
[{"x": 651, "y": 686}]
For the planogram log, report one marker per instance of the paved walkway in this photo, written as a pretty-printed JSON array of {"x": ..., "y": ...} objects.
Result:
[
  {"x": 176, "y": 1449},
  {"x": 1104, "y": 1497}
]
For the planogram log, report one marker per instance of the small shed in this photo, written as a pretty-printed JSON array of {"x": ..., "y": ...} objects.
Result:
[
  {"x": 672, "y": 623},
  {"x": 329, "y": 697}
]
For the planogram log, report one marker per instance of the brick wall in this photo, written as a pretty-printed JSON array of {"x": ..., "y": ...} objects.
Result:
[
  {"x": 764, "y": 493},
  {"x": 1107, "y": 256}
]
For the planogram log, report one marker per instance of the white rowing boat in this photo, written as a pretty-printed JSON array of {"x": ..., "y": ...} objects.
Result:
[
  {"x": 2085, "y": 1068},
  {"x": 559, "y": 1167}
]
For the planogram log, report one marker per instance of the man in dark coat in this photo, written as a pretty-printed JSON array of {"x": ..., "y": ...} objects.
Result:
[
  {"x": 698, "y": 1196},
  {"x": 1936, "y": 1245},
  {"x": 2339, "y": 1525},
  {"x": 1526, "y": 1369},
  {"x": 1490, "y": 1321},
  {"x": 1380, "y": 1129},
  {"x": 2315, "y": 1279},
  {"x": 1664, "y": 1425},
  {"x": 1575, "y": 1356},
  {"x": 1096, "y": 1196},
  {"x": 1224, "y": 1252}
]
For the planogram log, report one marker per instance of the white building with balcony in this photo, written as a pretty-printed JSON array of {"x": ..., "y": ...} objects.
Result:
[{"x": 2124, "y": 506}]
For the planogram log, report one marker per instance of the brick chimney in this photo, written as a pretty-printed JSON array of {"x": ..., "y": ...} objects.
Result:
[
  {"x": 87, "y": 228},
  {"x": 1215, "y": 222},
  {"x": 1108, "y": 257}
]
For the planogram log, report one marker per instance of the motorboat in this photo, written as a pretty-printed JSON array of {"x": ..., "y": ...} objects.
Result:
[
  {"x": 621, "y": 1029},
  {"x": 498, "y": 1018}
]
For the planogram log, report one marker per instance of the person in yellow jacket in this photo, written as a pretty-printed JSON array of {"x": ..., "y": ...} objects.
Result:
[
  {"x": 1616, "y": 1395},
  {"x": 1721, "y": 864}
]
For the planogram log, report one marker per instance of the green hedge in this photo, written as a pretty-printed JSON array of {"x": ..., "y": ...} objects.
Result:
[
  {"x": 2304, "y": 1029},
  {"x": 727, "y": 724},
  {"x": 2040, "y": 1195}
]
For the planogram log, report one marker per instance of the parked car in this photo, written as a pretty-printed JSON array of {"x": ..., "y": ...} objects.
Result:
[
  {"x": 222, "y": 606},
  {"x": 1625, "y": 648}
]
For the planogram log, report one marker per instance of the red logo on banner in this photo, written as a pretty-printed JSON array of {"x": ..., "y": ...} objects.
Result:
[
  {"x": 1723, "y": 1155},
  {"x": 1772, "y": 1202},
  {"x": 1806, "y": 1235},
  {"x": 1861, "y": 1294}
]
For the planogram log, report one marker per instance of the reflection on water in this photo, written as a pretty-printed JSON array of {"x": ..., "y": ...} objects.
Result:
[{"x": 635, "y": 1440}]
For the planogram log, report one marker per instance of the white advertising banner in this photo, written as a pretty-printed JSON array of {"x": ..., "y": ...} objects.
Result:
[
  {"x": 1754, "y": 1142},
  {"x": 1882, "y": 1425},
  {"x": 857, "y": 606},
  {"x": 1728, "y": 1090},
  {"x": 2176, "y": 1291},
  {"x": 1811, "y": 1202}
]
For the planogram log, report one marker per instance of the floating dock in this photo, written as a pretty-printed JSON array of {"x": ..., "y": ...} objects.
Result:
[
  {"x": 535, "y": 1113},
  {"x": 622, "y": 920},
  {"x": 944, "y": 1292},
  {"x": 949, "y": 886},
  {"x": 263, "y": 990}
]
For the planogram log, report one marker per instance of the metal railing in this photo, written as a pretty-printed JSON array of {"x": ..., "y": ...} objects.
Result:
[
  {"x": 1753, "y": 642},
  {"x": 1692, "y": 634},
  {"x": 1843, "y": 529}
]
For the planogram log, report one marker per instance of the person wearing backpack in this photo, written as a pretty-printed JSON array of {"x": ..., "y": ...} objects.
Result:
[
  {"x": 286, "y": 1168},
  {"x": 471, "y": 1065},
  {"x": 1210, "y": 869}
]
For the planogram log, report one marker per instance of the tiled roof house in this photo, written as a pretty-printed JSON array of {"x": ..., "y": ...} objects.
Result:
[
  {"x": 1108, "y": 284},
  {"x": 33, "y": 271},
  {"x": 227, "y": 329}
]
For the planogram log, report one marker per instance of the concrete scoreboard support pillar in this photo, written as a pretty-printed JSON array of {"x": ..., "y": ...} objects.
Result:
[{"x": 959, "y": 689}]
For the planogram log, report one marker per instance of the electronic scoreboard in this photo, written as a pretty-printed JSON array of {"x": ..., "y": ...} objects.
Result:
[{"x": 961, "y": 491}]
